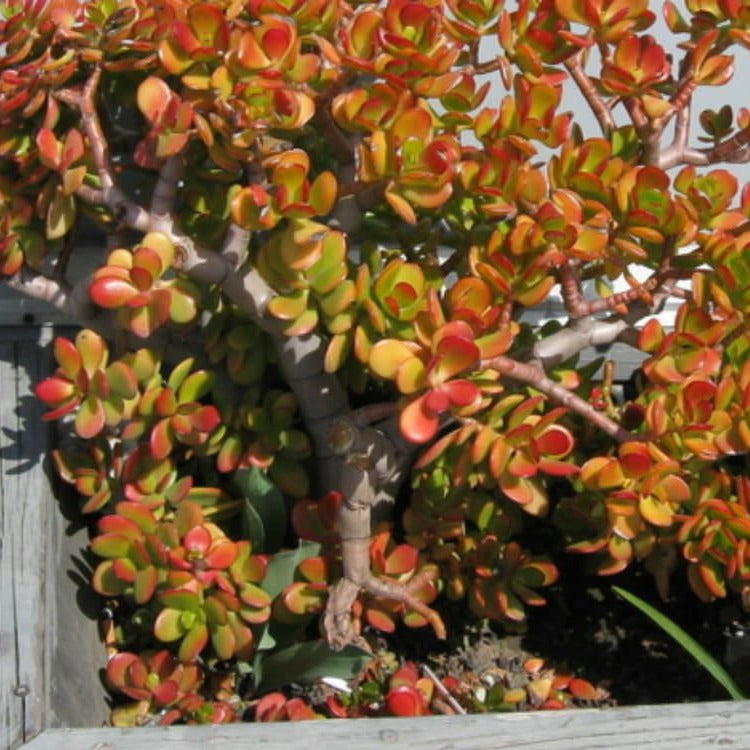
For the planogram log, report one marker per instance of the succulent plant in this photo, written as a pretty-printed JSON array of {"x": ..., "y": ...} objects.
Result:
[
  {"x": 153, "y": 676},
  {"x": 200, "y": 585},
  {"x": 330, "y": 235}
]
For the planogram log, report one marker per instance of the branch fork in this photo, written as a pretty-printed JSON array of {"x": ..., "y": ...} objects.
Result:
[{"x": 370, "y": 462}]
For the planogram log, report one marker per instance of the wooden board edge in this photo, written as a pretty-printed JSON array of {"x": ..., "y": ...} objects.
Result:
[{"x": 685, "y": 726}]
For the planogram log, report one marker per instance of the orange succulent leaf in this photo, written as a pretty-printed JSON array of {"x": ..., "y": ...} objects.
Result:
[
  {"x": 289, "y": 307},
  {"x": 153, "y": 97},
  {"x": 528, "y": 492},
  {"x": 316, "y": 519},
  {"x": 401, "y": 206},
  {"x": 405, "y": 700},
  {"x": 635, "y": 458},
  {"x": 557, "y": 468},
  {"x": 602, "y": 472},
  {"x": 556, "y": 441},
  {"x": 609, "y": 19},
  {"x": 252, "y": 208},
  {"x": 638, "y": 63},
  {"x": 68, "y": 355},
  {"x": 315, "y": 569},
  {"x": 454, "y": 354},
  {"x": 417, "y": 422},
  {"x": 401, "y": 560},
  {"x": 521, "y": 464},
  {"x": 370, "y": 109},
  {"x": 50, "y": 149},
  {"x": 271, "y": 707},
  {"x": 323, "y": 192},
  {"x": 272, "y": 45},
  {"x": 388, "y": 355},
  {"x": 711, "y": 70},
  {"x": 436, "y": 449},
  {"x": 112, "y": 291},
  {"x": 302, "y": 599},
  {"x": 655, "y": 511},
  {"x": 54, "y": 390},
  {"x": 203, "y": 35},
  {"x": 161, "y": 439},
  {"x": 651, "y": 336}
]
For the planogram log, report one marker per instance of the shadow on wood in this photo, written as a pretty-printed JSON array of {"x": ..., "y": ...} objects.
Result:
[{"x": 50, "y": 654}]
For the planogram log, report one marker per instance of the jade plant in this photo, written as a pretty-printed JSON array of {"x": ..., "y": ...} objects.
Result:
[{"x": 304, "y": 242}]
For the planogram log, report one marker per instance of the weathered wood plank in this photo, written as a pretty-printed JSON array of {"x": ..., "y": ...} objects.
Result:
[
  {"x": 10, "y": 706},
  {"x": 49, "y": 651},
  {"x": 24, "y": 501},
  {"x": 670, "y": 727},
  {"x": 77, "y": 697}
]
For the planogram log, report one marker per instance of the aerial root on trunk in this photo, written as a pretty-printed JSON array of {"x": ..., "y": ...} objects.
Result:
[{"x": 341, "y": 628}]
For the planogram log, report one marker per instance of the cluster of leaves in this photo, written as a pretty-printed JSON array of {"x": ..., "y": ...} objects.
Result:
[
  {"x": 317, "y": 200},
  {"x": 160, "y": 685},
  {"x": 385, "y": 690},
  {"x": 678, "y": 497},
  {"x": 316, "y": 521}
]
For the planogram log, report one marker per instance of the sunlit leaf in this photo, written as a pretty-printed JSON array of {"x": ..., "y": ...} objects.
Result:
[
  {"x": 90, "y": 418},
  {"x": 418, "y": 424},
  {"x": 193, "y": 643},
  {"x": 387, "y": 355},
  {"x": 153, "y": 97},
  {"x": 555, "y": 441}
]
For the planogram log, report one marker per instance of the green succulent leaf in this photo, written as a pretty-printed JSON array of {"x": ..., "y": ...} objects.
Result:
[
  {"x": 193, "y": 643},
  {"x": 289, "y": 476},
  {"x": 252, "y": 525},
  {"x": 122, "y": 380},
  {"x": 309, "y": 661},
  {"x": 263, "y": 510},
  {"x": 179, "y": 373},
  {"x": 168, "y": 625},
  {"x": 61, "y": 215},
  {"x": 282, "y": 566},
  {"x": 195, "y": 386},
  {"x": 281, "y": 572}
]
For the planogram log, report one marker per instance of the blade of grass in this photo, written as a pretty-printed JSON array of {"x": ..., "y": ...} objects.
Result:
[{"x": 685, "y": 640}]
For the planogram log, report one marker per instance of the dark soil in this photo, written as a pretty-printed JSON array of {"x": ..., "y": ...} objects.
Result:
[
  {"x": 586, "y": 627},
  {"x": 586, "y": 630}
]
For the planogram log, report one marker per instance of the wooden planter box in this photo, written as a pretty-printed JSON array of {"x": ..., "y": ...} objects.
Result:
[{"x": 51, "y": 695}]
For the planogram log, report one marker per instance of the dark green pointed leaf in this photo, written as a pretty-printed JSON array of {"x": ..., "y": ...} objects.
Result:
[
  {"x": 282, "y": 565},
  {"x": 263, "y": 502},
  {"x": 279, "y": 574},
  {"x": 252, "y": 526},
  {"x": 309, "y": 661},
  {"x": 588, "y": 370},
  {"x": 685, "y": 640}
]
